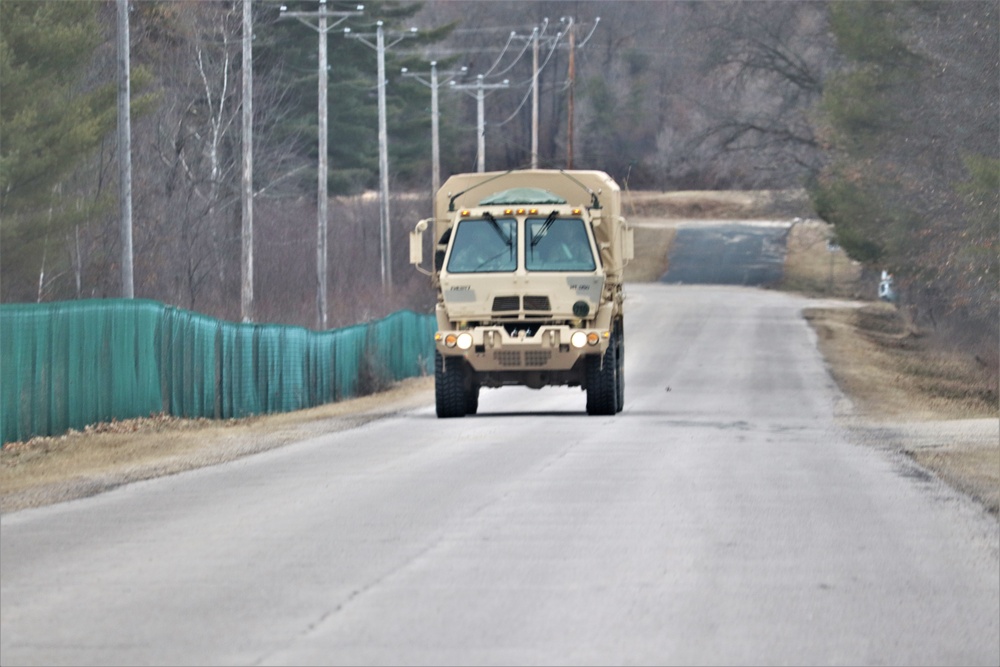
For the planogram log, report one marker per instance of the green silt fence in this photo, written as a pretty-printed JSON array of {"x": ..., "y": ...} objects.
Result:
[{"x": 70, "y": 364}]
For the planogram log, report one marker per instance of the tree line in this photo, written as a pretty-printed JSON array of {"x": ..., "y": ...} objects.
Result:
[{"x": 887, "y": 113}]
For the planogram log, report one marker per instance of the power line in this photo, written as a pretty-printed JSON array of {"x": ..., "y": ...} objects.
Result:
[{"x": 535, "y": 72}]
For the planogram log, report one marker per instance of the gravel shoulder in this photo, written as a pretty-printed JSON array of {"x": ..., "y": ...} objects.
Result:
[{"x": 904, "y": 393}]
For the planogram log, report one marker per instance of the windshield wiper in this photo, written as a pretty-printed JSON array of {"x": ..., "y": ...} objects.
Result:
[
  {"x": 537, "y": 236},
  {"x": 496, "y": 227}
]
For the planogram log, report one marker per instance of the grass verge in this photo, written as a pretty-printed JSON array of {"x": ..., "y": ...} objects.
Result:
[
  {"x": 940, "y": 405},
  {"x": 892, "y": 374},
  {"x": 45, "y": 470}
]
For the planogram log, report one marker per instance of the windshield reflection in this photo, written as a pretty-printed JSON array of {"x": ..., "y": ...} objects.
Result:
[
  {"x": 488, "y": 245},
  {"x": 557, "y": 244}
]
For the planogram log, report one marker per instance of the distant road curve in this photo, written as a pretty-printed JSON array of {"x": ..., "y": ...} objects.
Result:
[{"x": 748, "y": 253}]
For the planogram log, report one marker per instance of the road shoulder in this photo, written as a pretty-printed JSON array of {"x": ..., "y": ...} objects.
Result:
[
  {"x": 42, "y": 471},
  {"x": 907, "y": 394}
]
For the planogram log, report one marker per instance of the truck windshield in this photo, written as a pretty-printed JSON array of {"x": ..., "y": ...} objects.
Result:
[
  {"x": 483, "y": 246},
  {"x": 559, "y": 244}
]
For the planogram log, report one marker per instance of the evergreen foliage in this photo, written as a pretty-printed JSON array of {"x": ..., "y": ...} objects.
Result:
[
  {"x": 911, "y": 180},
  {"x": 48, "y": 123},
  {"x": 52, "y": 119}
]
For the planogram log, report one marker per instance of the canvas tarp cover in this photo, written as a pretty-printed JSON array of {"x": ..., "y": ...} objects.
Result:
[{"x": 527, "y": 196}]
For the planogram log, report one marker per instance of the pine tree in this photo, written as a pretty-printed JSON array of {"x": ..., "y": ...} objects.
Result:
[{"x": 49, "y": 124}]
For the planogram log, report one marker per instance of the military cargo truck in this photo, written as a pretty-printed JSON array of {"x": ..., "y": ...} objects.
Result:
[{"x": 528, "y": 265}]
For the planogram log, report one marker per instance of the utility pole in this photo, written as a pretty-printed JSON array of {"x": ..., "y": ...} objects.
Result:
[
  {"x": 534, "y": 98},
  {"x": 571, "y": 76},
  {"x": 434, "y": 84},
  {"x": 480, "y": 87},
  {"x": 572, "y": 81},
  {"x": 246, "y": 285},
  {"x": 383, "y": 141},
  {"x": 125, "y": 150},
  {"x": 322, "y": 27}
]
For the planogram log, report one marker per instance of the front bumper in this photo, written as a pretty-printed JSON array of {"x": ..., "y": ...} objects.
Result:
[{"x": 493, "y": 348}]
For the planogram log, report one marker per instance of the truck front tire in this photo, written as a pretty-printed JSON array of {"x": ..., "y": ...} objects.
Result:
[
  {"x": 449, "y": 387},
  {"x": 603, "y": 382}
]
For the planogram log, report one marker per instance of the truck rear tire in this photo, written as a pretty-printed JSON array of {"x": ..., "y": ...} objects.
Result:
[
  {"x": 602, "y": 382},
  {"x": 620, "y": 354},
  {"x": 449, "y": 386}
]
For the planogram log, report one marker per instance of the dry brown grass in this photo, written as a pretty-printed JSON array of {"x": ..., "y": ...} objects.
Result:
[
  {"x": 652, "y": 245},
  {"x": 78, "y": 464},
  {"x": 891, "y": 373},
  {"x": 892, "y": 376},
  {"x": 970, "y": 469},
  {"x": 718, "y": 205},
  {"x": 811, "y": 268}
]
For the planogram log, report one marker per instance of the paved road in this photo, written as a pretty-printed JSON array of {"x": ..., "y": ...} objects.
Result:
[
  {"x": 750, "y": 253},
  {"x": 723, "y": 517}
]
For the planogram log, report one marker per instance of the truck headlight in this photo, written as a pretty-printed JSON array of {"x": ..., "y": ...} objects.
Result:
[
  {"x": 578, "y": 339},
  {"x": 464, "y": 341},
  {"x": 451, "y": 340}
]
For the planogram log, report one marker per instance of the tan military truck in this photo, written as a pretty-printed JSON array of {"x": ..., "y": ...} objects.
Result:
[{"x": 528, "y": 265}]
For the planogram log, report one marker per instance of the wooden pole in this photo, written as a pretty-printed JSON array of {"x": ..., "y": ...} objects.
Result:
[
  {"x": 125, "y": 150},
  {"x": 246, "y": 286},
  {"x": 572, "y": 78}
]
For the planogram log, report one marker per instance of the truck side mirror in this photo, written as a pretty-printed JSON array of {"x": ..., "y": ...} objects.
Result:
[
  {"x": 417, "y": 243},
  {"x": 629, "y": 249}
]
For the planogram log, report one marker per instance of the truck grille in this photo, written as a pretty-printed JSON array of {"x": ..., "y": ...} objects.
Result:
[
  {"x": 535, "y": 358},
  {"x": 505, "y": 303},
  {"x": 514, "y": 359},
  {"x": 502, "y": 304},
  {"x": 537, "y": 303},
  {"x": 508, "y": 357}
]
